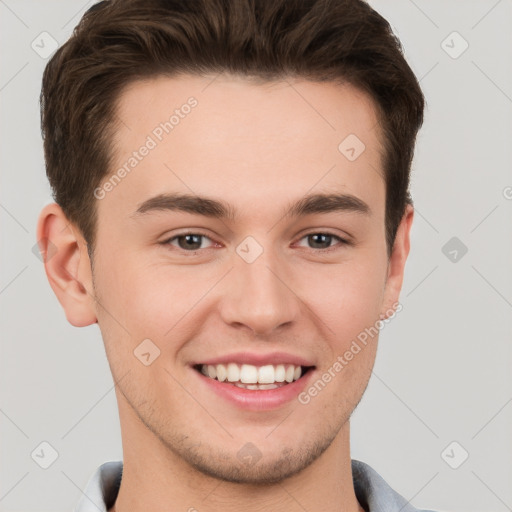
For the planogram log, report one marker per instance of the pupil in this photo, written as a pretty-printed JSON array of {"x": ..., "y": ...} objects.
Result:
[
  {"x": 326, "y": 239},
  {"x": 194, "y": 239}
]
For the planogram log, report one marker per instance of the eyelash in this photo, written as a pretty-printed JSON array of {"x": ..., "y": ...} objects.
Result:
[{"x": 342, "y": 242}]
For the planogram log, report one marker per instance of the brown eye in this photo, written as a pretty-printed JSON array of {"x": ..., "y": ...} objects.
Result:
[
  {"x": 187, "y": 241},
  {"x": 323, "y": 241},
  {"x": 319, "y": 240}
]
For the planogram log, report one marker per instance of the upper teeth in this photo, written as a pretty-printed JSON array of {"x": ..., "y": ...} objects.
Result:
[{"x": 249, "y": 374}]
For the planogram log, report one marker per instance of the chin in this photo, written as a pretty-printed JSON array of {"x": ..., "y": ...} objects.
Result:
[{"x": 250, "y": 466}]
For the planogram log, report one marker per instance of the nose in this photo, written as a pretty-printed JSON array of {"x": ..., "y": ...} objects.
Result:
[{"x": 259, "y": 296}]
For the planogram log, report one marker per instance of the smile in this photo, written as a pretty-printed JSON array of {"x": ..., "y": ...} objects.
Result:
[
  {"x": 256, "y": 388},
  {"x": 253, "y": 377}
]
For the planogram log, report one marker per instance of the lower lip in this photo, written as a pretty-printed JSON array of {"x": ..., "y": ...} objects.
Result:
[{"x": 257, "y": 399}]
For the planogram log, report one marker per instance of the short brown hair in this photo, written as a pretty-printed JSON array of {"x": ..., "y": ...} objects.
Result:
[{"x": 119, "y": 41}]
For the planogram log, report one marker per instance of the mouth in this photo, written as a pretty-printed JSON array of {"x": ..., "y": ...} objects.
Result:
[
  {"x": 255, "y": 388},
  {"x": 253, "y": 381},
  {"x": 255, "y": 378}
]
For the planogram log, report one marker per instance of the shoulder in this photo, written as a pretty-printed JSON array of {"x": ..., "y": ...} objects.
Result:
[
  {"x": 102, "y": 488},
  {"x": 375, "y": 494}
]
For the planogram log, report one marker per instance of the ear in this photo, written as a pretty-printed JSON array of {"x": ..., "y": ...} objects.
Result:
[
  {"x": 396, "y": 263},
  {"x": 67, "y": 265}
]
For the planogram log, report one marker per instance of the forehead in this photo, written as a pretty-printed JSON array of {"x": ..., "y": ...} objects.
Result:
[{"x": 225, "y": 136}]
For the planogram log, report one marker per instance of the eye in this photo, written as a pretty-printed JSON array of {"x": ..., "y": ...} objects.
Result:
[
  {"x": 193, "y": 241},
  {"x": 321, "y": 240},
  {"x": 187, "y": 241}
]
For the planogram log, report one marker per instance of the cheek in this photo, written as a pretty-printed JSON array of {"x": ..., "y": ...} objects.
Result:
[
  {"x": 148, "y": 300},
  {"x": 347, "y": 298},
  {"x": 132, "y": 289}
]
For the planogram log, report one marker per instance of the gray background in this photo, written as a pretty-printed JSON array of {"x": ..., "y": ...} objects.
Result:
[{"x": 443, "y": 371}]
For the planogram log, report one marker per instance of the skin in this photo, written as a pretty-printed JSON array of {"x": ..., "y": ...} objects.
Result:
[{"x": 257, "y": 147}]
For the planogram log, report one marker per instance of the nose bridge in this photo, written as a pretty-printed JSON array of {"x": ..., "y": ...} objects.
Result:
[{"x": 258, "y": 296}]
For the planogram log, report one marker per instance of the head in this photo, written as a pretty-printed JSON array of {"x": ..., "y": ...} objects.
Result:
[{"x": 254, "y": 107}]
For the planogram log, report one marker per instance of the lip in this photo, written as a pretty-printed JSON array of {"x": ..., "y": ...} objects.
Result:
[
  {"x": 257, "y": 359},
  {"x": 257, "y": 400}
]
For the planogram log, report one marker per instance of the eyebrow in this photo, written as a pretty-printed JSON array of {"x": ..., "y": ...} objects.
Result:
[{"x": 214, "y": 208}]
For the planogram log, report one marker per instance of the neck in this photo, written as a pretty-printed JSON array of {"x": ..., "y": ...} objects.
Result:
[{"x": 155, "y": 478}]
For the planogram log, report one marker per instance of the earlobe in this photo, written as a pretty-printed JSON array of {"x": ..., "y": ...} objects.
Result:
[
  {"x": 396, "y": 264},
  {"x": 67, "y": 265}
]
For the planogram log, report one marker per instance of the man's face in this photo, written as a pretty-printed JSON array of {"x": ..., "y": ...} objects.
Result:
[{"x": 263, "y": 283}]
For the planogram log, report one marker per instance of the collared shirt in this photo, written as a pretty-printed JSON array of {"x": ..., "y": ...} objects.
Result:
[{"x": 372, "y": 492}]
